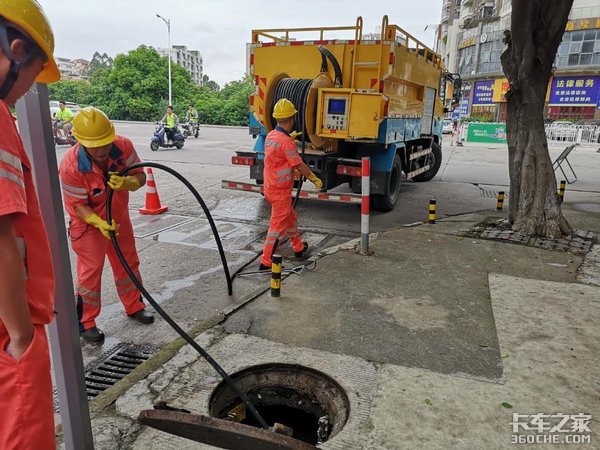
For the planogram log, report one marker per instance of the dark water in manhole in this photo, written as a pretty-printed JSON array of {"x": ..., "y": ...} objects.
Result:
[{"x": 303, "y": 423}]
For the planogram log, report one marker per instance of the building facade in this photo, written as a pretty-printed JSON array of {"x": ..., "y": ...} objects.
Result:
[
  {"x": 73, "y": 69},
  {"x": 190, "y": 60},
  {"x": 471, "y": 45}
]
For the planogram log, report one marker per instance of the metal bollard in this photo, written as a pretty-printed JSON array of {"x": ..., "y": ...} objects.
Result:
[
  {"x": 500, "y": 201},
  {"x": 365, "y": 206},
  {"x": 276, "y": 276},
  {"x": 432, "y": 206},
  {"x": 561, "y": 192}
]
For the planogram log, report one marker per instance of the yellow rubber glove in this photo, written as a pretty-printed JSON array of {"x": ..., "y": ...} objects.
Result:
[
  {"x": 118, "y": 183},
  {"x": 316, "y": 181},
  {"x": 96, "y": 221},
  {"x": 295, "y": 134}
]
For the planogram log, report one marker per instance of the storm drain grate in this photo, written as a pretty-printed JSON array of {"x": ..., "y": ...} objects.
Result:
[
  {"x": 114, "y": 365},
  {"x": 110, "y": 367}
]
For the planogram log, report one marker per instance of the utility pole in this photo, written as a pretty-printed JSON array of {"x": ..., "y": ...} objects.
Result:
[{"x": 168, "y": 22}]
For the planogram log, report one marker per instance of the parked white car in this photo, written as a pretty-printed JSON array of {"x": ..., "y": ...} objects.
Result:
[{"x": 448, "y": 126}]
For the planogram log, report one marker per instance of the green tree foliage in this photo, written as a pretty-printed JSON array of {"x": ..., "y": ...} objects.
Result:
[{"x": 135, "y": 87}]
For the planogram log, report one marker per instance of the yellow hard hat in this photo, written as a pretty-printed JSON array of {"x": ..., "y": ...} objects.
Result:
[
  {"x": 30, "y": 18},
  {"x": 284, "y": 109},
  {"x": 92, "y": 128}
]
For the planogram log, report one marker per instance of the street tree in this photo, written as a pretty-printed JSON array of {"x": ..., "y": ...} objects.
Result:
[{"x": 537, "y": 28}]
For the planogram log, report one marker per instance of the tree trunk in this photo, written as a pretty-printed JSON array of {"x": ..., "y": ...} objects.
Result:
[{"x": 537, "y": 27}]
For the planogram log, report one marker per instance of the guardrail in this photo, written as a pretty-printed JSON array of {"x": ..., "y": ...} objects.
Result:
[{"x": 584, "y": 135}]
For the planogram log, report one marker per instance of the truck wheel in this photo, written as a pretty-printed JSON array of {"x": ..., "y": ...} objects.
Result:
[
  {"x": 386, "y": 202},
  {"x": 435, "y": 160}
]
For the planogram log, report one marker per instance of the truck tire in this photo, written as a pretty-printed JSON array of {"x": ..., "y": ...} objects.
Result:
[
  {"x": 436, "y": 154},
  {"x": 386, "y": 202}
]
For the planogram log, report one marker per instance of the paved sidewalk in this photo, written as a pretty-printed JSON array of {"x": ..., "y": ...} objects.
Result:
[{"x": 437, "y": 339}]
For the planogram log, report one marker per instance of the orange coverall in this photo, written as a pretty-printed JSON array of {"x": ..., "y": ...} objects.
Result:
[
  {"x": 84, "y": 184},
  {"x": 25, "y": 385},
  {"x": 281, "y": 157}
]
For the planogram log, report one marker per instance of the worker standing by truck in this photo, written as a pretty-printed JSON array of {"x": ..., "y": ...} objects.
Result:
[
  {"x": 26, "y": 273},
  {"x": 87, "y": 171},
  {"x": 281, "y": 161}
]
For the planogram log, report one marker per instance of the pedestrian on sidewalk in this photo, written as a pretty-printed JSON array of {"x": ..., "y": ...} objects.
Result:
[
  {"x": 26, "y": 272},
  {"x": 87, "y": 171},
  {"x": 281, "y": 161}
]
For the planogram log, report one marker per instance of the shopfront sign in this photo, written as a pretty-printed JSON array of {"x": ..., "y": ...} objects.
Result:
[
  {"x": 483, "y": 93},
  {"x": 464, "y": 107},
  {"x": 574, "y": 91},
  {"x": 583, "y": 24},
  {"x": 467, "y": 43}
]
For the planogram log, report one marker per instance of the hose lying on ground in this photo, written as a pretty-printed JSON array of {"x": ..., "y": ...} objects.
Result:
[{"x": 153, "y": 302}]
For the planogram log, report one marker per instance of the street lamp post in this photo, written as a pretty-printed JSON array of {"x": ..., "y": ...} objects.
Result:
[{"x": 168, "y": 22}]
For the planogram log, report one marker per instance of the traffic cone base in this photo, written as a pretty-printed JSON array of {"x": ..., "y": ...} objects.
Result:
[{"x": 153, "y": 205}]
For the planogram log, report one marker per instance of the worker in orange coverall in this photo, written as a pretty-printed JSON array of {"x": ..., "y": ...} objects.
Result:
[
  {"x": 26, "y": 273},
  {"x": 87, "y": 171},
  {"x": 281, "y": 161}
]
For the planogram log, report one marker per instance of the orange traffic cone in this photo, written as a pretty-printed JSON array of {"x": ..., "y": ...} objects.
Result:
[{"x": 153, "y": 205}]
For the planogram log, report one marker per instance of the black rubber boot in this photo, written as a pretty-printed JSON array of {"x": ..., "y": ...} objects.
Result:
[
  {"x": 263, "y": 267},
  {"x": 92, "y": 335},
  {"x": 301, "y": 253},
  {"x": 143, "y": 316}
]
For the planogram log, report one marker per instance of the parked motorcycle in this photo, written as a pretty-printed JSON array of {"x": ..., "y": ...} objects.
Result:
[
  {"x": 160, "y": 139},
  {"x": 191, "y": 129}
]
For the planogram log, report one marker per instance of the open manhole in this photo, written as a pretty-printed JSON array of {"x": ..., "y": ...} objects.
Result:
[{"x": 309, "y": 402}]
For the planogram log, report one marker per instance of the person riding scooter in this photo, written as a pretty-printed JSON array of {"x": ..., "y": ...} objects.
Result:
[
  {"x": 191, "y": 122},
  {"x": 171, "y": 125}
]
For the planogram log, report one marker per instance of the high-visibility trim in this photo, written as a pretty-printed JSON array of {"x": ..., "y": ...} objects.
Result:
[
  {"x": 132, "y": 158},
  {"x": 125, "y": 290},
  {"x": 151, "y": 190},
  {"x": 414, "y": 173},
  {"x": 283, "y": 171},
  {"x": 127, "y": 280},
  {"x": 77, "y": 196},
  {"x": 10, "y": 176},
  {"x": 11, "y": 160},
  {"x": 88, "y": 293},
  {"x": 420, "y": 153},
  {"x": 74, "y": 189}
]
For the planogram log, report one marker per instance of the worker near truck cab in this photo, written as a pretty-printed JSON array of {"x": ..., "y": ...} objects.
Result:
[
  {"x": 281, "y": 161},
  {"x": 88, "y": 170},
  {"x": 26, "y": 272},
  {"x": 63, "y": 119}
]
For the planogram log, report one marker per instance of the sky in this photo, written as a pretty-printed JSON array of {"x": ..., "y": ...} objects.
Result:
[{"x": 218, "y": 29}]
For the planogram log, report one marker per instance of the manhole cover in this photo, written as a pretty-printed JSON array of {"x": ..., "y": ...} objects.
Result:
[{"x": 309, "y": 402}]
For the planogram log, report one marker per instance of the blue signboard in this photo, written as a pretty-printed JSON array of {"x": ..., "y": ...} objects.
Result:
[
  {"x": 574, "y": 91},
  {"x": 464, "y": 107},
  {"x": 483, "y": 93}
]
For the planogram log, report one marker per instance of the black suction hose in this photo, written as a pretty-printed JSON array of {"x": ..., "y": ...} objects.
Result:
[
  {"x": 153, "y": 302},
  {"x": 334, "y": 63}
]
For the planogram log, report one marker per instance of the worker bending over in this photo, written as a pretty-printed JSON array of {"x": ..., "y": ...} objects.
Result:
[
  {"x": 26, "y": 273},
  {"x": 87, "y": 171},
  {"x": 281, "y": 161}
]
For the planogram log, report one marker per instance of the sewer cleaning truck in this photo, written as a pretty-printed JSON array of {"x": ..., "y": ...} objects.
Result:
[{"x": 377, "y": 96}]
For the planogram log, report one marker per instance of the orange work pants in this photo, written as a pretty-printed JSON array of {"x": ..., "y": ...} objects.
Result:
[
  {"x": 283, "y": 222},
  {"x": 92, "y": 248},
  {"x": 26, "y": 396}
]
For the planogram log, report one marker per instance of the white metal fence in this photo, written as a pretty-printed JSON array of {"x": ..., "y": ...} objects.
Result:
[{"x": 584, "y": 135}]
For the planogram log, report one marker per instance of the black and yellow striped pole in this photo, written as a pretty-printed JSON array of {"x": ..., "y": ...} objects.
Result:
[
  {"x": 276, "y": 276},
  {"x": 561, "y": 192},
  {"x": 432, "y": 211},
  {"x": 500, "y": 204}
]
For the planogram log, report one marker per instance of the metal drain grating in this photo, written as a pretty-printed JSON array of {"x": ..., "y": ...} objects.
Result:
[{"x": 114, "y": 365}]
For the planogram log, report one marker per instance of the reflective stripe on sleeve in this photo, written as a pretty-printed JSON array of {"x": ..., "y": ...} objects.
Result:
[
  {"x": 77, "y": 196},
  {"x": 12, "y": 160},
  {"x": 10, "y": 176}
]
